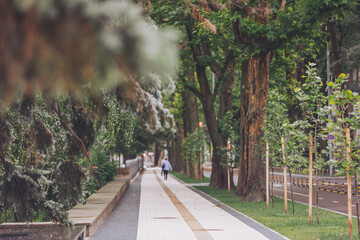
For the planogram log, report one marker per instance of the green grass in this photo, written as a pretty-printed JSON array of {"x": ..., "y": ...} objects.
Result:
[
  {"x": 332, "y": 226},
  {"x": 189, "y": 179}
]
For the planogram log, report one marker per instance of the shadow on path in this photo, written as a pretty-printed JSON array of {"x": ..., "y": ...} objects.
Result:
[{"x": 123, "y": 221}]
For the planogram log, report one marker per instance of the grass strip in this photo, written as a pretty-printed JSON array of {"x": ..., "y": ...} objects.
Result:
[
  {"x": 187, "y": 179},
  {"x": 332, "y": 226}
]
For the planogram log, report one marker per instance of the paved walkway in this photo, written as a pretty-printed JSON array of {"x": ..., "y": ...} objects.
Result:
[
  {"x": 122, "y": 222},
  {"x": 171, "y": 210}
]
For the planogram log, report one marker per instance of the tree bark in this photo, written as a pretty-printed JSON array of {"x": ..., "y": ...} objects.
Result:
[
  {"x": 254, "y": 91},
  {"x": 178, "y": 166},
  {"x": 171, "y": 152},
  {"x": 334, "y": 48},
  {"x": 191, "y": 119},
  {"x": 272, "y": 186},
  {"x": 292, "y": 108},
  {"x": 218, "y": 171},
  {"x": 157, "y": 153}
]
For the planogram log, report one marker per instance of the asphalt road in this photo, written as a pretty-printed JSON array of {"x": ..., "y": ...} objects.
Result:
[
  {"x": 328, "y": 200},
  {"x": 331, "y": 201}
]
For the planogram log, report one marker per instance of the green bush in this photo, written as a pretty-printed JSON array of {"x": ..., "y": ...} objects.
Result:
[{"x": 104, "y": 172}]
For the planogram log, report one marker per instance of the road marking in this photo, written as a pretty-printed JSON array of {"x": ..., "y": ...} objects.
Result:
[
  {"x": 335, "y": 201},
  {"x": 195, "y": 226},
  {"x": 300, "y": 194},
  {"x": 327, "y": 209}
]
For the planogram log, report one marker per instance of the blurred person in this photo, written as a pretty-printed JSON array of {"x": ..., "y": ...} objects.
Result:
[
  {"x": 166, "y": 168},
  {"x": 162, "y": 166}
]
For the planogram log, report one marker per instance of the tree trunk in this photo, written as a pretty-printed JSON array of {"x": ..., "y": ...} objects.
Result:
[
  {"x": 218, "y": 171},
  {"x": 207, "y": 98},
  {"x": 348, "y": 177},
  {"x": 191, "y": 119},
  {"x": 317, "y": 195},
  {"x": 292, "y": 192},
  {"x": 357, "y": 203},
  {"x": 254, "y": 91},
  {"x": 178, "y": 166},
  {"x": 293, "y": 106},
  {"x": 272, "y": 187},
  {"x": 334, "y": 48},
  {"x": 157, "y": 153},
  {"x": 225, "y": 106},
  {"x": 172, "y": 152}
]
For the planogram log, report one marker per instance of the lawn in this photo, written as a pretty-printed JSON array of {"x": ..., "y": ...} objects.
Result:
[
  {"x": 332, "y": 226},
  {"x": 187, "y": 179}
]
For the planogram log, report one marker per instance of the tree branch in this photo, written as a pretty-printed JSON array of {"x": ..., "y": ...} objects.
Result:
[
  {"x": 80, "y": 141},
  {"x": 26, "y": 142},
  {"x": 2, "y": 155},
  {"x": 222, "y": 75},
  {"x": 191, "y": 88},
  {"x": 282, "y": 5},
  {"x": 196, "y": 51},
  {"x": 215, "y": 6},
  {"x": 213, "y": 64},
  {"x": 237, "y": 114}
]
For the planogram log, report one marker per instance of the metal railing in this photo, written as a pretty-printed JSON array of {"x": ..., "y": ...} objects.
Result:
[{"x": 135, "y": 165}]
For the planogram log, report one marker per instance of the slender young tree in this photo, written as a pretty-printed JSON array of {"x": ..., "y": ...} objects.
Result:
[
  {"x": 347, "y": 109},
  {"x": 315, "y": 113}
]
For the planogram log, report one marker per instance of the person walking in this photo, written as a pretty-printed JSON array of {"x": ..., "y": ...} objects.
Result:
[
  {"x": 162, "y": 167},
  {"x": 166, "y": 168}
]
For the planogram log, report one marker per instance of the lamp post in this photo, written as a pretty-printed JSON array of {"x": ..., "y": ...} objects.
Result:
[
  {"x": 228, "y": 165},
  {"x": 201, "y": 172},
  {"x": 329, "y": 93}
]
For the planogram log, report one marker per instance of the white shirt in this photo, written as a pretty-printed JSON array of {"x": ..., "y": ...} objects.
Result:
[{"x": 167, "y": 165}]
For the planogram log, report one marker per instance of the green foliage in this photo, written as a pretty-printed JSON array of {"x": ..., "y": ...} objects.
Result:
[
  {"x": 347, "y": 111},
  {"x": 120, "y": 126},
  {"x": 105, "y": 170},
  {"x": 23, "y": 191},
  {"x": 44, "y": 155},
  {"x": 313, "y": 103},
  {"x": 68, "y": 174},
  {"x": 295, "y": 145},
  {"x": 194, "y": 143},
  {"x": 230, "y": 154},
  {"x": 83, "y": 127},
  {"x": 276, "y": 126},
  {"x": 45, "y": 138}
]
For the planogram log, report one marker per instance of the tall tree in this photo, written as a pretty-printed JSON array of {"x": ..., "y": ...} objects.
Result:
[
  {"x": 261, "y": 27},
  {"x": 190, "y": 110},
  {"x": 257, "y": 28},
  {"x": 210, "y": 50}
]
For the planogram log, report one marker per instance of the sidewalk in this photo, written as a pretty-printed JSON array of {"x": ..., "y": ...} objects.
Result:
[
  {"x": 170, "y": 210},
  {"x": 155, "y": 209}
]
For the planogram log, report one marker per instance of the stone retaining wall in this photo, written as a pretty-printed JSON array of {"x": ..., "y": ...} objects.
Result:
[
  {"x": 99, "y": 205},
  {"x": 41, "y": 230},
  {"x": 86, "y": 217}
]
